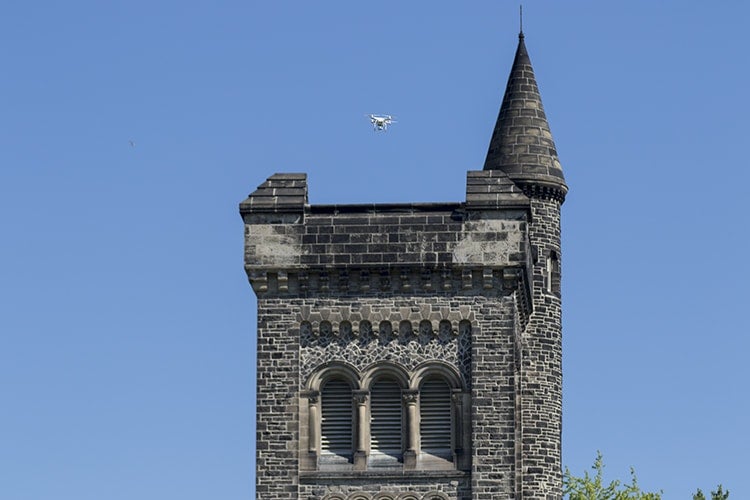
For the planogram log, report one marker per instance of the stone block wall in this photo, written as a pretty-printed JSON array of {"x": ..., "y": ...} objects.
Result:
[
  {"x": 541, "y": 363},
  {"x": 483, "y": 357},
  {"x": 493, "y": 404},
  {"x": 277, "y": 418},
  {"x": 360, "y": 285}
]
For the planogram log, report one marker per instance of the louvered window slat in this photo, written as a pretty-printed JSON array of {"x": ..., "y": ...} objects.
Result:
[
  {"x": 385, "y": 412},
  {"x": 435, "y": 421},
  {"x": 336, "y": 418}
]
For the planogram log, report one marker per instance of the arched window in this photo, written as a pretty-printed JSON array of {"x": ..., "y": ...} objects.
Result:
[
  {"x": 385, "y": 422},
  {"x": 435, "y": 419},
  {"x": 386, "y": 417},
  {"x": 435, "y": 495},
  {"x": 359, "y": 496},
  {"x": 336, "y": 421}
]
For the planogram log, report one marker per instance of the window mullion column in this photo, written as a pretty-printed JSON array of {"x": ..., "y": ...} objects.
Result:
[
  {"x": 313, "y": 421},
  {"x": 411, "y": 398},
  {"x": 363, "y": 430}
]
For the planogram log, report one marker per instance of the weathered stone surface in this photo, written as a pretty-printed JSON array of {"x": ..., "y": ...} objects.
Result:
[
  {"x": 468, "y": 292},
  {"x": 440, "y": 235}
]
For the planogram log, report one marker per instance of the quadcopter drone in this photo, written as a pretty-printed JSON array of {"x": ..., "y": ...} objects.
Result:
[{"x": 381, "y": 122}]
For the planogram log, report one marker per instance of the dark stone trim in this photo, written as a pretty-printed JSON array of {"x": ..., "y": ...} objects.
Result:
[
  {"x": 397, "y": 278},
  {"x": 384, "y": 208},
  {"x": 313, "y": 477},
  {"x": 544, "y": 191}
]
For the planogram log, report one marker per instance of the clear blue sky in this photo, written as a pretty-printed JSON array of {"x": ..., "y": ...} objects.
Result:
[{"x": 127, "y": 325}]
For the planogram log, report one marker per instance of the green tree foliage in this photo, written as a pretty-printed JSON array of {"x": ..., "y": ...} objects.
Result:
[
  {"x": 719, "y": 494},
  {"x": 591, "y": 487}
]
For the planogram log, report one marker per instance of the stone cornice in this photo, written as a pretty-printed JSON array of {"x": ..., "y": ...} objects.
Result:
[
  {"x": 311, "y": 477},
  {"x": 549, "y": 191},
  {"x": 381, "y": 279}
]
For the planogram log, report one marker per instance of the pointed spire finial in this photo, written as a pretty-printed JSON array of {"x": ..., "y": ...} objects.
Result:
[
  {"x": 521, "y": 143},
  {"x": 520, "y": 18}
]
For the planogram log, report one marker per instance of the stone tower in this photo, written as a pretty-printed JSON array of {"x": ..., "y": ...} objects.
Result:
[{"x": 413, "y": 351}]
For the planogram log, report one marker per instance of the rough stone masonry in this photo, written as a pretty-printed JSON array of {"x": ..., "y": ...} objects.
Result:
[{"x": 414, "y": 351}]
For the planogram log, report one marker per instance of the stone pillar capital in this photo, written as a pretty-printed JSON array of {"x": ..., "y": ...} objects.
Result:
[
  {"x": 312, "y": 396},
  {"x": 410, "y": 396},
  {"x": 360, "y": 397}
]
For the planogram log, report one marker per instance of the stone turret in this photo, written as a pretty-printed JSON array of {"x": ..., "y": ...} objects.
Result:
[
  {"x": 521, "y": 144},
  {"x": 412, "y": 351},
  {"x": 522, "y": 148}
]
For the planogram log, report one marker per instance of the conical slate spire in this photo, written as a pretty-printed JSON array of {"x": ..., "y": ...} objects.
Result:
[{"x": 521, "y": 144}]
